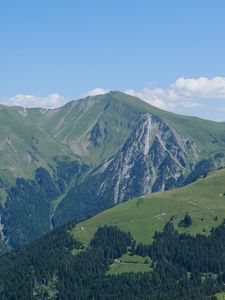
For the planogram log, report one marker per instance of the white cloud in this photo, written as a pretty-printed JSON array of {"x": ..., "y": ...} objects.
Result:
[
  {"x": 153, "y": 96},
  {"x": 97, "y": 91},
  {"x": 186, "y": 93},
  {"x": 51, "y": 101},
  {"x": 202, "y": 87}
]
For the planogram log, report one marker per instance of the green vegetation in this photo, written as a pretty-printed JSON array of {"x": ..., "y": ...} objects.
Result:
[
  {"x": 220, "y": 296},
  {"x": 187, "y": 221},
  {"x": 127, "y": 263},
  {"x": 209, "y": 135},
  {"x": 90, "y": 126},
  {"x": 204, "y": 200},
  {"x": 42, "y": 145},
  {"x": 47, "y": 268},
  {"x": 90, "y": 131},
  {"x": 87, "y": 128},
  {"x": 76, "y": 251},
  {"x": 24, "y": 146},
  {"x": 31, "y": 203}
]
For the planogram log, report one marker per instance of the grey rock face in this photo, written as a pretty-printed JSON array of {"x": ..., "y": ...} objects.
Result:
[{"x": 154, "y": 158}]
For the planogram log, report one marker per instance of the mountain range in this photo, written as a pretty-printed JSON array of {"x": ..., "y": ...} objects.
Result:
[{"x": 72, "y": 162}]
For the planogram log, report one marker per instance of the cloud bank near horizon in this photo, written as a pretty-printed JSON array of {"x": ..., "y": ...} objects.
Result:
[
  {"x": 202, "y": 97},
  {"x": 54, "y": 100},
  {"x": 51, "y": 101},
  {"x": 189, "y": 93}
]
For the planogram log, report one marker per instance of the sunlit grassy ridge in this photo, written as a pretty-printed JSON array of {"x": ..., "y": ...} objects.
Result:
[{"x": 204, "y": 200}]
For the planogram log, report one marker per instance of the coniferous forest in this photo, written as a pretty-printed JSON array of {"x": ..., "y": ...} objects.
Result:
[
  {"x": 183, "y": 267},
  {"x": 112, "y": 150}
]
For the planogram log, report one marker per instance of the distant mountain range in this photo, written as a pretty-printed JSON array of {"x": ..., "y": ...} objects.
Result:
[{"x": 72, "y": 162}]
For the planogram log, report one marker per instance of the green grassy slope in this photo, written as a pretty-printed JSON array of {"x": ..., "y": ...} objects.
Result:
[
  {"x": 74, "y": 124},
  {"x": 116, "y": 114},
  {"x": 23, "y": 145},
  {"x": 203, "y": 199},
  {"x": 93, "y": 128},
  {"x": 220, "y": 296},
  {"x": 127, "y": 263}
]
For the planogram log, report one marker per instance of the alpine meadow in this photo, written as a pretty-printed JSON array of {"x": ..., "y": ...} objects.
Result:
[{"x": 112, "y": 150}]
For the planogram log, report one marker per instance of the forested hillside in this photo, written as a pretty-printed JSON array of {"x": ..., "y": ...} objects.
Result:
[{"x": 58, "y": 267}]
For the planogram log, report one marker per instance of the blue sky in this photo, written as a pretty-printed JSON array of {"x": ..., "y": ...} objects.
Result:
[{"x": 66, "y": 48}]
